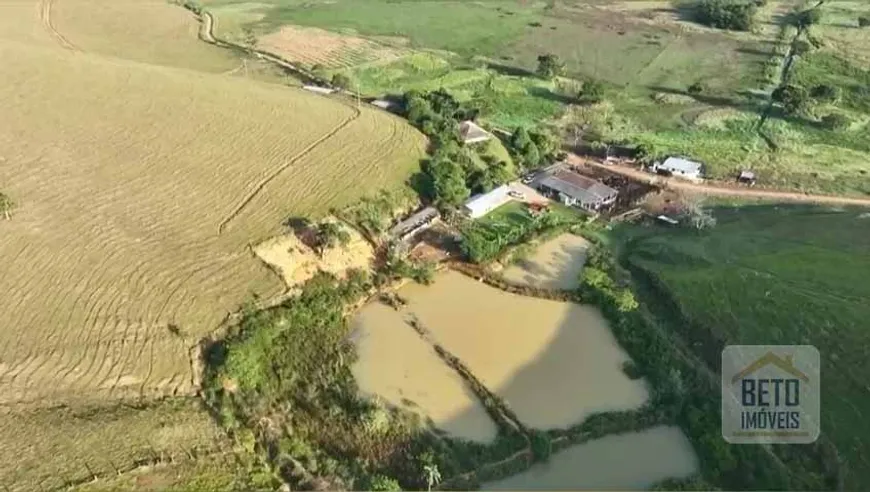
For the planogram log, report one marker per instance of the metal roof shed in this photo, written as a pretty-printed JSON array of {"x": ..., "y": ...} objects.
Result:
[{"x": 480, "y": 205}]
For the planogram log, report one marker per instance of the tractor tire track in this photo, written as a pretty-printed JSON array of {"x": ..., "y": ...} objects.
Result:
[{"x": 45, "y": 17}]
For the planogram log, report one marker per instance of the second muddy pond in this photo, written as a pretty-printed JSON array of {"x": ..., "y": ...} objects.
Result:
[
  {"x": 632, "y": 461},
  {"x": 555, "y": 363},
  {"x": 555, "y": 264}
]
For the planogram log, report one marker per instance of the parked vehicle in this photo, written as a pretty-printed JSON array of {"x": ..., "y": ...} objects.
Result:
[{"x": 516, "y": 194}]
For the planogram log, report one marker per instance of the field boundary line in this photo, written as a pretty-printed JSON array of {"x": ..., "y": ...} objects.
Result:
[
  {"x": 283, "y": 167},
  {"x": 45, "y": 17}
]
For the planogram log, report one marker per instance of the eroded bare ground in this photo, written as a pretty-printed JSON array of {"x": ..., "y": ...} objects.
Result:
[{"x": 297, "y": 262}]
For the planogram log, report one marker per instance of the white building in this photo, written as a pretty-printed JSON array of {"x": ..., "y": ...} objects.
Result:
[
  {"x": 681, "y": 168},
  {"x": 480, "y": 205}
]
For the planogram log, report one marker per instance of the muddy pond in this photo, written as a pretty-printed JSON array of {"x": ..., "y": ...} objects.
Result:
[
  {"x": 396, "y": 365},
  {"x": 555, "y": 264},
  {"x": 554, "y": 363},
  {"x": 632, "y": 461}
]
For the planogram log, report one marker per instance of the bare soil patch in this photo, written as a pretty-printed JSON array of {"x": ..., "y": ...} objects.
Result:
[
  {"x": 319, "y": 47},
  {"x": 298, "y": 263}
]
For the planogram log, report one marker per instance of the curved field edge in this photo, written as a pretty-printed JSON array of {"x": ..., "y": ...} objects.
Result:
[{"x": 143, "y": 270}]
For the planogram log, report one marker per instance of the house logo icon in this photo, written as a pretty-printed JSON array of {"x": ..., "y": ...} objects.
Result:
[{"x": 770, "y": 394}]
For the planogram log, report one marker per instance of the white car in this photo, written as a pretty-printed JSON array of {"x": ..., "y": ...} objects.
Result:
[{"x": 516, "y": 194}]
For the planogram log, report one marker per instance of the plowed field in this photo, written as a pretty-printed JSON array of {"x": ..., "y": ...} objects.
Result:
[{"x": 139, "y": 188}]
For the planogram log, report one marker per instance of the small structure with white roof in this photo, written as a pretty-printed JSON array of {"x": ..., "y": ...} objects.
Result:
[
  {"x": 681, "y": 168},
  {"x": 482, "y": 204},
  {"x": 471, "y": 133}
]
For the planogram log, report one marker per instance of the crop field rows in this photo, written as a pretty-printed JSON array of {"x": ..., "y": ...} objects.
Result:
[
  {"x": 54, "y": 448},
  {"x": 117, "y": 261}
]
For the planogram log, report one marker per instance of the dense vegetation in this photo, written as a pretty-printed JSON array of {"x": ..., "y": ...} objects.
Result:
[
  {"x": 772, "y": 275},
  {"x": 736, "y": 15},
  {"x": 456, "y": 171},
  {"x": 281, "y": 385}
]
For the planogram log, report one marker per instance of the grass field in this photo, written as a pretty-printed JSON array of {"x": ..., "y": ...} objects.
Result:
[
  {"x": 777, "y": 275},
  {"x": 139, "y": 187},
  {"x": 55, "y": 447}
]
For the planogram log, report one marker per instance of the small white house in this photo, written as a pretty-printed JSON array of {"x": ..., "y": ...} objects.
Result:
[
  {"x": 681, "y": 168},
  {"x": 480, "y": 205}
]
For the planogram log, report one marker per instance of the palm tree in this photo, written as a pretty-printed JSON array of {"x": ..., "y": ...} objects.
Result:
[{"x": 433, "y": 476}]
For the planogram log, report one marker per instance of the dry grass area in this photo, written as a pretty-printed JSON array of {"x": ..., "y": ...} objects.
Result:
[
  {"x": 142, "y": 174},
  {"x": 331, "y": 50},
  {"x": 48, "y": 449},
  {"x": 139, "y": 188},
  {"x": 298, "y": 263}
]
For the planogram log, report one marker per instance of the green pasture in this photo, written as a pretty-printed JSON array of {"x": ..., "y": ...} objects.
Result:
[{"x": 776, "y": 275}]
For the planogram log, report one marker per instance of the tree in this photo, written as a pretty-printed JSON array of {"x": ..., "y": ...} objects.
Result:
[
  {"x": 697, "y": 88},
  {"x": 825, "y": 93},
  {"x": 547, "y": 142},
  {"x": 550, "y": 66},
  {"x": 6, "y": 206},
  {"x": 341, "y": 81},
  {"x": 448, "y": 180},
  {"x": 592, "y": 92},
  {"x": 793, "y": 98},
  {"x": 330, "y": 235},
  {"x": 736, "y": 15},
  {"x": 520, "y": 138},
  {"x": 863, "y": 21},
  {"x": 809, "y": 17}
]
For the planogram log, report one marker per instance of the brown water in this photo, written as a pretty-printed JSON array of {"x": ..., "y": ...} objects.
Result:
[
  {"x": 556, "y": 264},
  {"x": 398, "y": 366},
  {"x": 631, "y": 461},
  {"x": 554, "y": 363}
]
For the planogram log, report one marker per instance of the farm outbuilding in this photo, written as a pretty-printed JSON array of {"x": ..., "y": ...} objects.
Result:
[
  {"x": 574, "y": 189},
  {"x": 482, "y": 204},
  {"x": 681, "y": 168},
  {"x": 472, "y": 133},
  {"x": 415, "y": 223}
]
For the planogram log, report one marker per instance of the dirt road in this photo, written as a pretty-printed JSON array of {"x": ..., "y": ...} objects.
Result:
[{"x": 720, "y": 189}]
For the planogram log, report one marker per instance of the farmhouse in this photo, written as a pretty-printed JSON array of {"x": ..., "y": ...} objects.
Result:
[
  {"x": 681, "y": 168},
  {"x": 574, "y": 189},
  {"x": 471, "y": 133},
  {"x": 318, "y": 89},
  {"x": 415, "y": 223},
  {"x": 482, "y": 204}
]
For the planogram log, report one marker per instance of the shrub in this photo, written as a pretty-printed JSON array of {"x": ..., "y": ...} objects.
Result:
[
  {"x": 697, "y": 88},
  {"x": 550, "y": 66},
  {"x": 341, "y": 81},
  {"x": 802, "y": 47},
  {"x": 735, "y": 15},
  {"x": 592, "y": 92},
  {"x": 835, "y": 121},
  {"x": 808, "y": 17},
  {"x": 793, "y": 98},
  {"x": 825, "y": 93},
  {"x": 864, "y": 21}
]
